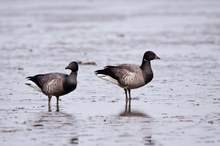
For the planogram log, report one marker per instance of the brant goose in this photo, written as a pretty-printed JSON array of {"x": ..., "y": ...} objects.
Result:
[
  {"x": 55, "y": 84},
  {"x": 129, "y": 76}
]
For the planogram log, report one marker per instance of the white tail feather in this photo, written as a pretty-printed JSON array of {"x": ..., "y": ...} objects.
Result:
[
  {"x": 33, "y": 85},
  {"x": 108, "y": 78}
]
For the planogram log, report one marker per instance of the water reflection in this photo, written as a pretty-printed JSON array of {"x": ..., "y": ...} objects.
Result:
[
  {"x": 144, "y": 130},
  {"x": 132, "y": 113},
  {"x": 148, "y": 141},
  {"x": 54, "y": 119},
  {"x": 54, "y": 126}
]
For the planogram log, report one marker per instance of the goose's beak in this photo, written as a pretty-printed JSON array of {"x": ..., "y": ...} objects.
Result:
[
  {"x": 156, "y": 57},
  {"x": 67, "y": 67}
]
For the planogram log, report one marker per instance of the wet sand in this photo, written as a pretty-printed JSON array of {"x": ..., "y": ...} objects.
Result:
[{"x": 181, "y": 106}]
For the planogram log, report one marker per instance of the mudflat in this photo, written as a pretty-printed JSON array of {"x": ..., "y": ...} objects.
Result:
[{"x": 180, "y": 106}]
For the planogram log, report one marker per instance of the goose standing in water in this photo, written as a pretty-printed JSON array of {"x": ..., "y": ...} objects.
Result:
[
  {"x": 129, "y": 76},
  {"x": 55, "y": 84}
]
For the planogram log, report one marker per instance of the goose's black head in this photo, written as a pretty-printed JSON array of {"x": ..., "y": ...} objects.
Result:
[
  {"x": 73, "y": 66},
  {"x": 150, "y": 55}
]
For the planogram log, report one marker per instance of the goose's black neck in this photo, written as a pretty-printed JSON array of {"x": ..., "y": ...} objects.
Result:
[
  {"x": 73, "y": 73},
  {"x": 146, "y": 70},
  {"x": 70, "y": 82},
  {"x": 146, "y": 65}
]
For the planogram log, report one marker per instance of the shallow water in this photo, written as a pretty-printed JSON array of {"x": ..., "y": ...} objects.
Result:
[{"x": 179, "y": 107}]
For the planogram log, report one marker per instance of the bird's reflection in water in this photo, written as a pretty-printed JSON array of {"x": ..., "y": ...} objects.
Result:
[
  {"x": 132, "y": 113},
  {"x": 59, "y": 124},
  {"x": 144, "y": 123},
  {"x": 148, "y": 141},
  {"x": 50, "y": 119}
]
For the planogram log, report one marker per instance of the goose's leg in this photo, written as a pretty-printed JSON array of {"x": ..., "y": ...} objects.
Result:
[
  {"x": 58, "y": 109},
  {"x": 129, "y": 105},
  {"x": 126, "y": 100},
  {"x": 126, "y": 95},
  {"x": 49, "y": 108},
  {"x": 129, "y": 92},
  {"x": 129, "y": 101}
]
